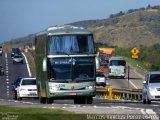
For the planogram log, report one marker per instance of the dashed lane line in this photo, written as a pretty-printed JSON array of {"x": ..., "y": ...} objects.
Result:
[{"x": 7, "y": 80}]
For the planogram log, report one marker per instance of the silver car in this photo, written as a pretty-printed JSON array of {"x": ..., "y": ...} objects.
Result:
[
  {"x": 18, "y": 59},
  {"x": 151, "y": 87}
]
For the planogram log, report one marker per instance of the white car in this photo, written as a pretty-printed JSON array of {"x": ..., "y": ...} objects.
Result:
[
  {"x": 17, "y": 59},
  {"x": 151, "y": 87},
  {"x": 100, "y": 79},
  {"x": 27, "y": 88}
]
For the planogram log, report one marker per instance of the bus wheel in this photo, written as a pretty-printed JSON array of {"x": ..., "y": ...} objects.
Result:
[
  {"x": 15, "y": 95},
  {"x": 42, "y": 100},
  {"x": 83, "y": 100},
  {"x": 89, "y": 100},
  {"x": 76, "y": 101},
  {"x": 80, "y": 100},
  {"x": 122, "y": 77},
  {"x": 50, "y": 100}
]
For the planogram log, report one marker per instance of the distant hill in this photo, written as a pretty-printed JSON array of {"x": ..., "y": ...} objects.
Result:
[
  {"x": 134, "y": 28},
  {"x": 138, "y": 27}
]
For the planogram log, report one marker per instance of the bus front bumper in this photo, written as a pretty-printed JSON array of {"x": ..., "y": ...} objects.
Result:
[{"x": 73, "y": 93}]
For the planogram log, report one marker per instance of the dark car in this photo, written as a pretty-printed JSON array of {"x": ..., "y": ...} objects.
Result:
[
  {"x": 15, "y": 51},
  {"x": 15, "y": 84},
  {"x": 1, "y": 70}
]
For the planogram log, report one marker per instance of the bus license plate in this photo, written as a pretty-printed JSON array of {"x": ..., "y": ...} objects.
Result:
[{"x": 72, "y": 94}]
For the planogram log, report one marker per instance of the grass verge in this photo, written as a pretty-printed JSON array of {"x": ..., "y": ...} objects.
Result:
[{"x": 16, "y": 113}]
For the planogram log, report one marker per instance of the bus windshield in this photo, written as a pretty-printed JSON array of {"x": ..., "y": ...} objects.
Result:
[
  {"x": 70, "y": 44},
  {"x": 117, "y": 63},
  {"x": 71, "y": 69}
]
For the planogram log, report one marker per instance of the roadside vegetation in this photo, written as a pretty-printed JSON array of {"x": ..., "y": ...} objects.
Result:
[
  {"x": 149, "y": 58},
  {"x": 19, "y": 113},
  {"x": 130, "y": 28}
]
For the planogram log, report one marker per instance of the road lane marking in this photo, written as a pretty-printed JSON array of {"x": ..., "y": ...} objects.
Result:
[
  {"x": 132, "y": 84},
  {"x": 153, "y": 115},
  {"x": 7, "y": 80},
  {"x": 6, "y": 71},
  {"x": 29, "y": 71},
  {"x": 143, "y": 112}
]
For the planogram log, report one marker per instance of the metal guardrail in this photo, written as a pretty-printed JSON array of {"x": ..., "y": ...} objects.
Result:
[{"x": 116, "y": 93}]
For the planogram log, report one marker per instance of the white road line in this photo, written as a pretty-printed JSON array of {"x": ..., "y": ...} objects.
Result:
[
  {"x": 6, "y": 55},
  {"x": 149, "y": 114},
  {"x": 143, "y": 112},
  {"x": 132, "y": 84},
  {"x": 6, "y": 71},
  {"x": 7, "y": 80},
  {"x": 6, "y": 68},
  {"x": 152, "y": 114},
  {"x": 29, "y": 71}
]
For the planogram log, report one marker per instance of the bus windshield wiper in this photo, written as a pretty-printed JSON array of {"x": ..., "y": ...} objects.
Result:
[
  {"x": 63, "y": 53},
  {"x": 61, "y": 80}
]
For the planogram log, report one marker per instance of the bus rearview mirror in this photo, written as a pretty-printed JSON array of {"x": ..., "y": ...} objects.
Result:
[
  {"x": 97, "y": 63},
  {"x": 44, "y": 65}
]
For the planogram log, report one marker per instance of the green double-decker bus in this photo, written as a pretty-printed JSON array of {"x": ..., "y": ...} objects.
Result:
[{"x": 65, "y": 64}]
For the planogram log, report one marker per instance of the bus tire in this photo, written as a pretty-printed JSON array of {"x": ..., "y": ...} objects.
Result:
[
  {"x": 19, "y": 99},
  {"x": 76, "y": 101},
  {"x": 89, "y": 100},
  {"x": 122, "y": 77},
  {"x": 49, "y": 100},
  {"x": 80, "y": 100},
  {"x": 42, "y": 100},
  {"x": 15, "y": 95}
]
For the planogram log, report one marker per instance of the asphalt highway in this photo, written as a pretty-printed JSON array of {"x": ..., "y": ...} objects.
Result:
[{"x": 99, "y": 106}]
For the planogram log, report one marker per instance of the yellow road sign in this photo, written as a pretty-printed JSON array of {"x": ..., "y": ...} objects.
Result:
[
  {"x": 135, "y": 56},
  {"x": 135, "y": 51}
]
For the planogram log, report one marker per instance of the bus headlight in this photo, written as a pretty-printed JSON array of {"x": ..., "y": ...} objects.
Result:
[
  {"x": 22, "y": 89},
  {"x": 53, "y": 89},
  {"x": 90, "y": 87}
]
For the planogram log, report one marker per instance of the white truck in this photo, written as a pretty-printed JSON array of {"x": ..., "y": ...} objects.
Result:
[{"x": 117, "y": 67}]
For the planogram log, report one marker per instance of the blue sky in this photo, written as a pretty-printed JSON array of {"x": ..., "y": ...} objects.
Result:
[{"x": 19, "y": 18}]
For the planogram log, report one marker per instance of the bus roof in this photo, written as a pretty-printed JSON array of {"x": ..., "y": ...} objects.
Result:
[{"x": 62, "y": 30}]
